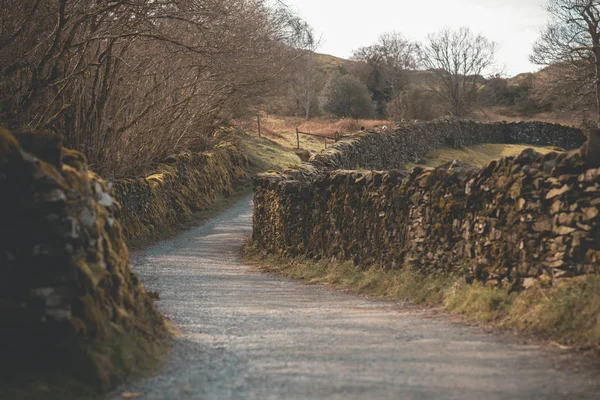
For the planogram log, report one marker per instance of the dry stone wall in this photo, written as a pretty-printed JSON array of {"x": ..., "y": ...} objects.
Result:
[
  {"x": 70, "y": 304},
  {"x": 183, "y": 184},
  {"x": 520, "y": 218},
  {"x": 411, "y": 142},
  {"x": 68, "y": 298}
]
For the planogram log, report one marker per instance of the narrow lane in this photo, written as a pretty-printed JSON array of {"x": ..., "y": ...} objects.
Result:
[{"x": 250, "y": 335}]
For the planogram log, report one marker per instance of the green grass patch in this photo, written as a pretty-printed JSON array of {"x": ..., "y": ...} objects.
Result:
[
  {"x": 266, "y": 155},
  {"x": 479, "y": 155},
  {"x": 567, "y": 313}
]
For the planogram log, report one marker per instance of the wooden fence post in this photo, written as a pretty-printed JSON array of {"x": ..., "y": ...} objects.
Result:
[
  {"x": 298, "y": 138},
  {"x": 258, "y": 119}
]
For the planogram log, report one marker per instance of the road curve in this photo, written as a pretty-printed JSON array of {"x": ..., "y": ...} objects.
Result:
[{"x": 250, "y": 335}]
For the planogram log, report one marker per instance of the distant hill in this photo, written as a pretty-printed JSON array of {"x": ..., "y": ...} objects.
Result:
[
  {"x": 331, "y": 63},
  {"x": 328, "y": 64},
  {"x": 502, "y": 97},
  {"x": 522, "y": 79}
]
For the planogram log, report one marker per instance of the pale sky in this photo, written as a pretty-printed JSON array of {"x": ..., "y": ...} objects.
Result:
[{"x": 347, "y": 25}]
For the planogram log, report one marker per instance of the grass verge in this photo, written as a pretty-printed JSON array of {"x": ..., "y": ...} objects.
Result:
[
  {"x": 567, "y": 314},
  {"x": 266, "y": 154}
]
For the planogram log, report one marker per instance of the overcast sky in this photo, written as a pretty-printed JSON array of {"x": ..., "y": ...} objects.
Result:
[{"x": 347, "y": 25}]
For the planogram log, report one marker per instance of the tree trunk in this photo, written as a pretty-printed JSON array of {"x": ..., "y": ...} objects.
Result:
[
  {"x": 592, "y": 147},
  {"x": 597, "y": 61},
  {"x": 307, "y": 106}
]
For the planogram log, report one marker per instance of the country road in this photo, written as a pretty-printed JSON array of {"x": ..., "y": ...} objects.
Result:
[{"x": 250, "y": 335}]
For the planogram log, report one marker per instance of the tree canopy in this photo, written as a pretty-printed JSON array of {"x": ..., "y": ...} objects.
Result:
[
  {"x": 570, "y": 45},
  {"x": 129, "y": 81},
  {"x": 346, "y": 96},
  {"x": 390, "y": 58},
  {"x": 459, "y": 59}
]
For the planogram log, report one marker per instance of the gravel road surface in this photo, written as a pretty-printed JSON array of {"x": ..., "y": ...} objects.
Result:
[{"x": 250, "y": 335}]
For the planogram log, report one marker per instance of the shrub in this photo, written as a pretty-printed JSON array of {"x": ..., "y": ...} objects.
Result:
[
  {"x": 346, "y": 96},
  {"x": 420, "y": 104}
]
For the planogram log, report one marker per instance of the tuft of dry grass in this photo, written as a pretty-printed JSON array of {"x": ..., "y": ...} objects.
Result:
[{"x": 567, "y": 313}]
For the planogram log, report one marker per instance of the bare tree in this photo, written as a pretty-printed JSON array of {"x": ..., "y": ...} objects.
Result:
[
  {"x": 390, "y": 59},
  {"x": 459, "y": 60},
  {"x": 304, "y": 83},
  {"x": 567, "y": 87},
  {"x": 571, "y": 43},
  {"x": 572, "y": 40},
  {"x": 130, "y": 81}
]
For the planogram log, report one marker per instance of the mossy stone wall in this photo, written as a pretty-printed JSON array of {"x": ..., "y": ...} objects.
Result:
[
  {"x": 411, "y": 142},
  {"x": 71, "y": 308},
  {"x": 520, "y": 218},
  {"x": 183, "y": 184},
  {"x": 70, "y": 304}
]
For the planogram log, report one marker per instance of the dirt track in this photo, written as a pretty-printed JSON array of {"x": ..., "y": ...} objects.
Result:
[{"x": 249, "y": 335}]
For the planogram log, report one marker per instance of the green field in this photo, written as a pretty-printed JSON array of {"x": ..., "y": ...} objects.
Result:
[{"x": 479, "y": 155}]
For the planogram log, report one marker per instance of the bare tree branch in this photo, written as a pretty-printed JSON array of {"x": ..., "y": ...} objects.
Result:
[{"x": 459, "y": 60}]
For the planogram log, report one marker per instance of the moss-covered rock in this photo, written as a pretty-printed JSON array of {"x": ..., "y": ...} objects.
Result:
[
  {"x": 183, "y": 184},
  {"x": 70, "y": 304}
]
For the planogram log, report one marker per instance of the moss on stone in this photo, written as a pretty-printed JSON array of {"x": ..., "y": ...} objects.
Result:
[
  {"x": 516, "y": 219},
  {"x": 71, "y": 305},
  {"x": 183, "y": 184}
]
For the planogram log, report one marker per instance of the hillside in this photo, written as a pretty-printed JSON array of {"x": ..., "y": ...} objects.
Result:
[
  {"x": 517, "y": 98},
  {"x": 328, "y": 64}
]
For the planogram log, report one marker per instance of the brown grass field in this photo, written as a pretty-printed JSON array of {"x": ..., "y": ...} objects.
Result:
[
  {"x": 282, "y": 130},
  {"x": 278, "y": 141}
]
